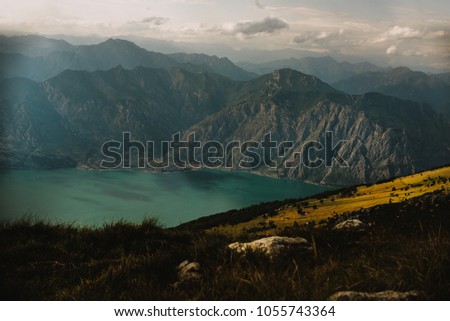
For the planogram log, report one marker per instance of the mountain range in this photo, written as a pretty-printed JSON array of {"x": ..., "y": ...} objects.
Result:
[
  {"x": 325, "y": 68},
  {"x": 60, "y": 102},
  {"x": 40, "y": 58},
  {"x": 403, "y": 83},
  {"x": 64, "y": 120},
  {"x": 386, "y": 136}
]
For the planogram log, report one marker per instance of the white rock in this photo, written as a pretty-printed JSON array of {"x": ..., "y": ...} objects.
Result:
[
  {"x": 188, "y": 271},
  {"x": 352, "y": 224},
  {"x": 375, "y": 296},
  {"x": 270, "y": 245}
]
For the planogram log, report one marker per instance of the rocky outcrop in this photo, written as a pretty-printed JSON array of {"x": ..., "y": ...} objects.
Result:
[
  {"x": 350, "y": 225},
  {"x": 270, "y": 246},
  {"x": 375, "y": 296},
  {"x": 188, "y": 272}
]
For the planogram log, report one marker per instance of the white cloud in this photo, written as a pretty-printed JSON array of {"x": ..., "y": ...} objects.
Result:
[
  {"x": 439, "y": 34},
  {"x": 404, "y": 33},
  {"x": 330, "y": 40},
  {"x": 392, "y": 50},
  {"x": 399, "y": 33}
]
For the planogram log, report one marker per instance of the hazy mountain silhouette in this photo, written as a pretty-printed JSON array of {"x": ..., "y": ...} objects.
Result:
[
  {"x": 403, "y": 83},
  {"x": 325, "y": 68},
  {"x": 40, "y": 58}
]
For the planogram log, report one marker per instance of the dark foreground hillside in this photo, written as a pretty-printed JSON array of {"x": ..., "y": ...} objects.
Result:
[{"x": 404, "y": 247}]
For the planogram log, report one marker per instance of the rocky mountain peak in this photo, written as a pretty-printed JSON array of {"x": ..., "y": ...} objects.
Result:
[{"x": 291, "y": 80}]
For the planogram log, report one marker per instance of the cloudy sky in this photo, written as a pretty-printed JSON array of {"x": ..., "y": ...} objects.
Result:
[{"x": 391, "y": 31}]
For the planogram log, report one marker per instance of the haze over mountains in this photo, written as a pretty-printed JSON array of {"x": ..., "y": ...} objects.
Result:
[
  {"x": 39, "y": 58},
  {"x": 55, "y": 117},
  {"x": 403, "y": 83},
  {"x": 325, "y": 68}
]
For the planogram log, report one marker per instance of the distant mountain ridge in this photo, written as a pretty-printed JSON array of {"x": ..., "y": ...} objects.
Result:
[
  {"x": 39, "y": 58},
  {"x": 32, "y": 45},
  {"x": 222, "y": 66},
  {"x": 66, "y": 119},
  {"x": 325, "y": 68},
  {"x": 403, "y": 83}
]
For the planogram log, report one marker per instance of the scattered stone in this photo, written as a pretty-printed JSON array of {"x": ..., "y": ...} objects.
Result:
[
  {"x": 188, "y": 271},
  {"x": 349, "y": 225},
  {"x": 271, "y": 246},
  {"x": 376, "y": 296}
]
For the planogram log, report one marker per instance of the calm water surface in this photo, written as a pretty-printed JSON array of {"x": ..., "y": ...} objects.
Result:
[{"x": 96, "y": 197}]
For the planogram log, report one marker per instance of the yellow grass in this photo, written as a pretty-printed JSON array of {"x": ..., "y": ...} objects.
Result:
[{"x": 394, "y": 191}]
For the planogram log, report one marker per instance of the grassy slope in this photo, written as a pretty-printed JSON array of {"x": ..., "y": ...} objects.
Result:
[
  {"x": 319, "y": 209},
  {"x": 406, "y": 246}
]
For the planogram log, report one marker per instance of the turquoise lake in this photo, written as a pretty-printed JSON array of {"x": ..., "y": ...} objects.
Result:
[{"x": 97, "y": 197}]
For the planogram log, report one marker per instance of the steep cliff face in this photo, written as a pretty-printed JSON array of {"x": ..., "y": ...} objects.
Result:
[
  {"x": 370, "y": 151},
  {"x": 65, "y": 120},
  {"x": 73, "y": 114},
  {"x": 151, "y": 103},
  {"x": 384, "y": 136},
  {"x": 32, "y": 132}
]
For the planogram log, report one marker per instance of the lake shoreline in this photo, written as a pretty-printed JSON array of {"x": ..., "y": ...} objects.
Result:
[
  {"x": 95, "y": 197},
  {"x": 263, "y": 173}
]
